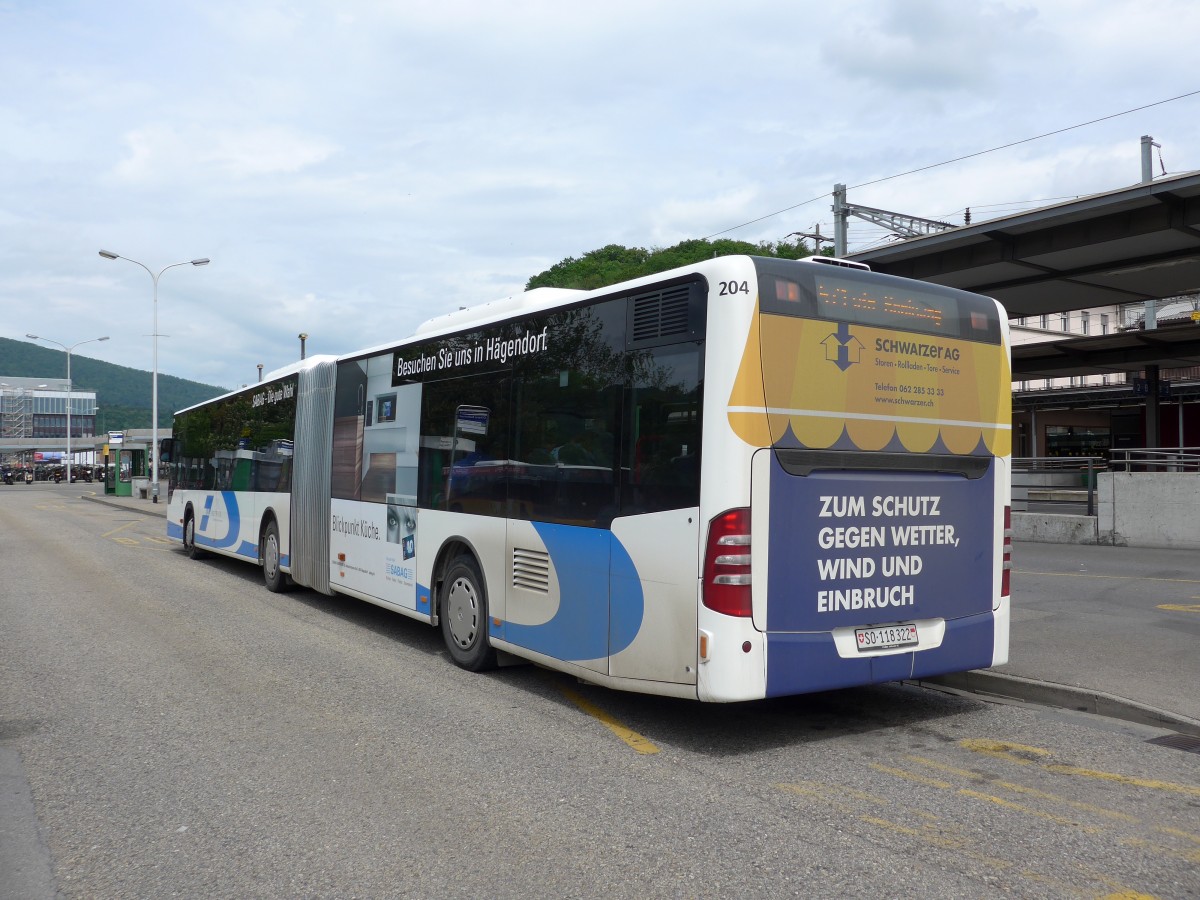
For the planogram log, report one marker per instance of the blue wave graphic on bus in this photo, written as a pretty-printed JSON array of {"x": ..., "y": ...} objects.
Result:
[
  {"x": 229, "y": 498},
  {"x": 600, "y": 597}
]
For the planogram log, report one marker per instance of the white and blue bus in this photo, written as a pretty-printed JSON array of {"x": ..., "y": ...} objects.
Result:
[{"x": 744, "y": 478}]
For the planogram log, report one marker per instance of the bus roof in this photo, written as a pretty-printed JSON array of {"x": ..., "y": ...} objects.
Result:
[
  {"x": 529, "y": 302},
  {"x": 282, "y": 372}
]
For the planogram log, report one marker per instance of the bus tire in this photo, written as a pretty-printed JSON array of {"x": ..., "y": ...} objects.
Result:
[
  {"x": 273, "y": 575},
  {"x": 189, "y": 538},
  {"x": 464, "y": 616}
]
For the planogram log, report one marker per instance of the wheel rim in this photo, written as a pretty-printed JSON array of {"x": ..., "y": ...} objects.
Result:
[
  {"x": 189, "y": 534},
  {"x": 462, "y": 611},
  {"x": 271, "y": 555}
]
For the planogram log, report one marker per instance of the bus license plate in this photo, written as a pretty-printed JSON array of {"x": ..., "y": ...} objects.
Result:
[{"x": 886, "y": 637}]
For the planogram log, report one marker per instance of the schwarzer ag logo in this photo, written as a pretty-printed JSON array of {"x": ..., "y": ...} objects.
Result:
[{"x": 842, "y": 348}]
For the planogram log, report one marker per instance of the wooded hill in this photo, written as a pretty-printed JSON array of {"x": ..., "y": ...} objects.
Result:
[{"x": 122, "y": 393}]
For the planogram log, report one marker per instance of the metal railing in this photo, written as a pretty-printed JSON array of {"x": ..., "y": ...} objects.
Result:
[
  {"x": 1058, "y": 484},
  {"x": 1147, "y": 459}
]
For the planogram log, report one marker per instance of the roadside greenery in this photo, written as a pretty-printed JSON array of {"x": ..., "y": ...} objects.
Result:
[{"x": 614, "y": 263}]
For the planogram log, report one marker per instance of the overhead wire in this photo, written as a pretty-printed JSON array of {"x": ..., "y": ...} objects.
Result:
[{"x": 963, "y": 157}]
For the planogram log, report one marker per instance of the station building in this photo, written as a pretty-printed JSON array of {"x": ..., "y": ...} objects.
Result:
[{"x": 36, "y": 408}]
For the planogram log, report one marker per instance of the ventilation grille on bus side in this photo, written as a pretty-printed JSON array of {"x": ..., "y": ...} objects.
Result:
[
  {"x": 531, "y": 570},
  {"x": 661, "y": 314}
]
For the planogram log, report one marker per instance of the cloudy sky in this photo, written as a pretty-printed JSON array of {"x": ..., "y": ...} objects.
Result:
[{"x": 353, "y": 168}]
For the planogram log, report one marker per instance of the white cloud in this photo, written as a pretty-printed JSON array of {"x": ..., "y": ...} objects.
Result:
[
  {"x": 937, "y": 46},
  {"x": 266, "y": 151},
  {"x": 675, "y": 220},
  {"x": 157, "y": 153},
  {"x": 353, "y": 168}
]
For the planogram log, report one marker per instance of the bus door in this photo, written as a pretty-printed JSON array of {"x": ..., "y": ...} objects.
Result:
[{"x": 560, "y": 500}]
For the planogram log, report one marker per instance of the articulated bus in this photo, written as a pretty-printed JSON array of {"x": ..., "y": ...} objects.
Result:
[{"x": 743, "y": 478}]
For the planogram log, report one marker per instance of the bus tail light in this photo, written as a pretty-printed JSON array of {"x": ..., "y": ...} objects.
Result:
[
  {"x": 1005, "y": 590},
  {"x": 727, "y": 564}
]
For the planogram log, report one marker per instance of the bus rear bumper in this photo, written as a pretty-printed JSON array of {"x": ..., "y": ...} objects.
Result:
[{"x": 802, "y": 662}]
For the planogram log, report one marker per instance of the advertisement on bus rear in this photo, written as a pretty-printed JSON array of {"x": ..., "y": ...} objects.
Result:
[{"x": 854, "y": 548}]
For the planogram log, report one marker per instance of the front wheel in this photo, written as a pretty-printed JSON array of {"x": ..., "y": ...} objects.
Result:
[
  {"x": 465, "y": 616},
  {"x": 273, "y": 575},
  {"x": 189, "y": 538}
]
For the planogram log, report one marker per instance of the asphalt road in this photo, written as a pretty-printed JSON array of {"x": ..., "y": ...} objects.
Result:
[
  {"x": 170, "y": 728},
  {"x": 1123, "y": 620}
]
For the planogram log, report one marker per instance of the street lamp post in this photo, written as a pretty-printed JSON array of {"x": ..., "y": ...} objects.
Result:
[
  {"x": 108, "y": 254},
  {"x": 68, "y": 352}
]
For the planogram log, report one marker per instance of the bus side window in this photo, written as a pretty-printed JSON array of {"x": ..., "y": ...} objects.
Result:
[
  {"x": 464, "y": 461},
  {"x": 566, "y": 413},
  {"x": 661, "y": 457},
  {"x": 563, "y": 460}
]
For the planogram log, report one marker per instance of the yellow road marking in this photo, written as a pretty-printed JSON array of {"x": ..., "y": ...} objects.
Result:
[
  {"x": 821, "y": 792},
  {"x": 1188, "y": 855},
  {"x": 965, "y": 847},
  {"x": 1026, "y": 756},
  {"x": 987, "y": 798},
  {"x": 1117, "y": 577},
  {"x": 1180, "y": 607},
  {"x": 938, "y": 840},
  {"x": 1185, "y": 789},
  {"x": 1005, "y": 750},
  {"x": 836, "y": 796},
  {"x": 912, "y": 776},
  {"x": 1022, "y": 789},
  {"x": 1167, "y": 829},
  {"x": 1028, "y": 810},
  {"x": 119, "y": 528},
  {"x": 947, "y": 837},
  {"x": 630, "y": 737}
]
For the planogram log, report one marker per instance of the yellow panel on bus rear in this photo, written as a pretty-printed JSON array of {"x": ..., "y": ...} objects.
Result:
[{"x": 858, "y": 387}]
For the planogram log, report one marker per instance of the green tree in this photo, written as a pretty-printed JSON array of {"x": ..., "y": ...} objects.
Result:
[{"x": 613, "y": 263}]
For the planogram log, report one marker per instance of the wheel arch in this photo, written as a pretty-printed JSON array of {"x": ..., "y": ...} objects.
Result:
[
  {"x": 452, "y": 548},
  {"x": 269, "y": 517}
]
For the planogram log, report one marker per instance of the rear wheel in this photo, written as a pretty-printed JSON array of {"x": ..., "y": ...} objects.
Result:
[
  {"x": 273, "y": 575},
  {"x": 464, "y": 617}
]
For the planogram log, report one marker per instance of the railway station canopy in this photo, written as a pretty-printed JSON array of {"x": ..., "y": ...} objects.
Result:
[{"x": 1124, "y": 246}]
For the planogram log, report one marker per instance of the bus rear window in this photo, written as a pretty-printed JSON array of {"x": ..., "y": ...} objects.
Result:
[{"x": 869, "y": 298}]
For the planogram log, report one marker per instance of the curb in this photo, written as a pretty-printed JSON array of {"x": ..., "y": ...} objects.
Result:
[
  {"x": 137, "y": 509},
  {"x": 1062, "y": 696}
]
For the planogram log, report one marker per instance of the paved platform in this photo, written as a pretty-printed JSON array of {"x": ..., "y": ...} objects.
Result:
[
  {"x": 1108, "y": 630},
  {"x": 136, "y": 504}
]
